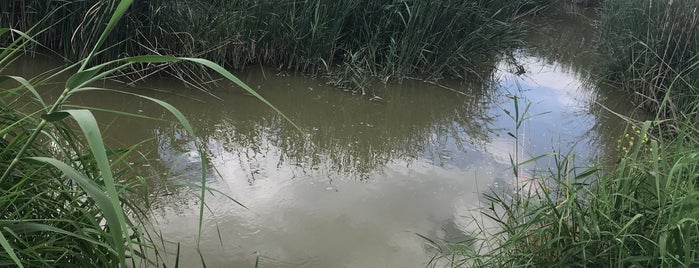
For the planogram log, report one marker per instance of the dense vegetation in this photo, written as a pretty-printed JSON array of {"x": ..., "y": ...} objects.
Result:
[
  {"x": 641, "y": 213},
  {"x": 653, "y": 52},
  {"x": 351, "y": 39},
  {"x": 644, "y": 210},
  {"x": 65, "y": 200}
]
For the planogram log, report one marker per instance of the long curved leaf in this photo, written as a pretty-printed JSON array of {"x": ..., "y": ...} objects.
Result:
[
  {"x": 9, "y": 250},
  {"x": 88, "y": 125},
  {"x": 102, "y": 199},
  {"x": 188, "y": 127},
  {"x": 225, "y": 73},
  {"x": 116, "y": 16},
  {"x": 29, "y": 87}
]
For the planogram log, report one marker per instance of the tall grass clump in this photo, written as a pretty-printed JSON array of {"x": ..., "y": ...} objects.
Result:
[
  {"x": 66, "y": 200},
  {"x": 378, "y": 38},
  {"x": 581, "y": 3},
  {"x": 69, "y": 27},
  {"x": 652, "y": 46},
  {"x": 643, "y": 212},
  {"x": 352, "y": 39}
]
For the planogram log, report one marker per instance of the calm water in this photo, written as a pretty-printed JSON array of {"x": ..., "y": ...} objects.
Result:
[{"x": 376, "y": 172}]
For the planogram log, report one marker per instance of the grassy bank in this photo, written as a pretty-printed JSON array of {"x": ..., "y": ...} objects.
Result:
[
  {"x": 642, "y": 213},
  {"x": 643, "y": 210},
  {"x": 353, "y": 39},
  {"x": 652, "y": 51}
]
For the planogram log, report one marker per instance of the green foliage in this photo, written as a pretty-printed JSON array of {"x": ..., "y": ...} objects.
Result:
[
  {"x": 652, "y": 46},
  {"x": 641, "y": 213},
  {"x": 65, "y": 199},
  {"x": 386, "y": 38},
  {"x": 70, "y": 27},
  {"x": 351, "y": 39}
]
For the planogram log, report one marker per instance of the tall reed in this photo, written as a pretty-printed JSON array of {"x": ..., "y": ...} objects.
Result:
[
  {"x": 642, "y": 212},
  {"x": 652, "y": 46},
  {"x": 353, "y": 39},
  {"x": 386, "y": 38},
  {"x": 67, "y": 200}
]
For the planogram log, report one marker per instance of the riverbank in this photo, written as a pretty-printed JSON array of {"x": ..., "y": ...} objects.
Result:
[
  {"x": 640, "y": 211},
  {"x": 348, "y": 40}
]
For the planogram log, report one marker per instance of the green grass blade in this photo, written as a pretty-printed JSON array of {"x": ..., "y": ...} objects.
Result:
[
  {"x": 9, "y": 250},
  {"x": 89, "y": 127},
  {"x": 116, "y": 17},
  {"x": 8, "y": 51},
  {"x": 188, "y": 127},
  {"x": 80, "y": 78},
  {"x": 217, "y": 68},
  {"x": 211, "y": 190},
  {"x": 30, "y": 227},
  {"x": 174, "y": 111},
  {"x": 102, "y": 199},
  {"x": 116, "y": 112},
  {"x": 77, "y": 81},
  {"x": 29, "y": 87}
]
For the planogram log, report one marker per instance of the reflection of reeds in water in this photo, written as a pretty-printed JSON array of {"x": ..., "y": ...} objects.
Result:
[{"x": 351, "y": 137}]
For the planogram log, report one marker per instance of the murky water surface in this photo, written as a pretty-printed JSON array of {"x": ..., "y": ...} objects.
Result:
[{"x": 376, "y": 173}]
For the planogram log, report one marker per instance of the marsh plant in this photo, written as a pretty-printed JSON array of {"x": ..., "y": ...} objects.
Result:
[
  {"x": 642, "y": 212},
  {"x": 652, "y": 51},
  {"x": 349, "y": 40},
  {"x": 66, "y": 199}
]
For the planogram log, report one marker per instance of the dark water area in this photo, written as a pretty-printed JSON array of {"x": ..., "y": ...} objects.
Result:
[{"x": 367, "y": 175}]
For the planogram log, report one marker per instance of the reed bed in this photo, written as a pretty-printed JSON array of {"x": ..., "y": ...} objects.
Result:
[
  {"x": 651, "y": 47},
  {"x": 352, "y": 39},
  {"x": 382, "y": 37}
]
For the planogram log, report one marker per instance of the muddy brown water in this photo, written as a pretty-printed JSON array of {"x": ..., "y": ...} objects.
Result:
[{"x": 375, "y": 172}]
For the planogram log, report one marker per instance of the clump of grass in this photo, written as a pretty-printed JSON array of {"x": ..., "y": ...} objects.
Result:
[
  {"x": 65, "y": 199},
  {"x": 643, "y": 212},
  {"x": 651, "y": 47},
  {"x": 380, "y": 38},
  {"x": 350, "y": 39}
]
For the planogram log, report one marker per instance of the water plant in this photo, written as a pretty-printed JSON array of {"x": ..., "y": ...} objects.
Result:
[
  {"x": 652, "y": 50},
  {"x": 349, "y": 39},
  {"x": 67, "y": 199},
  {"x": 640, "y": 212}
]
